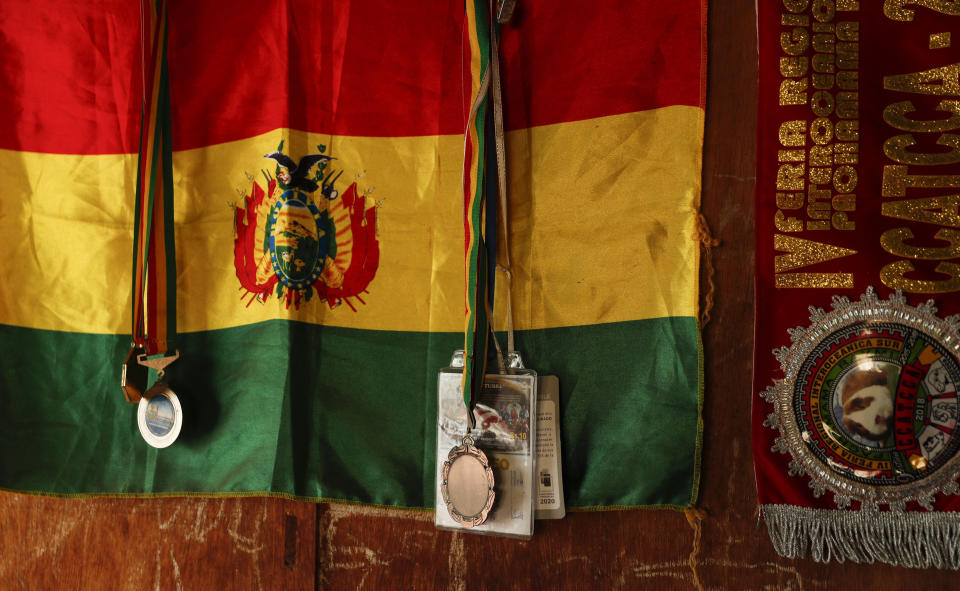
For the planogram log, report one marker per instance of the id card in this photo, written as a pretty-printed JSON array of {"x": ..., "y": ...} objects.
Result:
[
  {"x": 549, "y": 502},
  {"x": 505, "y": 416}
]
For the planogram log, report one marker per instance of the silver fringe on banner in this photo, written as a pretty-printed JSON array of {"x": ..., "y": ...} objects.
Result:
[{"x": 911, "y": 539}]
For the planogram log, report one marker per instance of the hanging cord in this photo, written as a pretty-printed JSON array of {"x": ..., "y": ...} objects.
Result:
[
  {"x": 707, "y": 243},
  {"x": 477, "y": 328},
  {"x": 505, "y": 268},
  {"x": 695, "y": 518}
]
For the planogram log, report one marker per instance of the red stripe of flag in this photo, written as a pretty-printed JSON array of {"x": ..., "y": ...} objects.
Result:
[{"x": 365, "y": 68}]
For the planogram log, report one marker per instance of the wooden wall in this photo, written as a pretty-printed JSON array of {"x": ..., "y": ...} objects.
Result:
[{"x": 258, "y": 543}]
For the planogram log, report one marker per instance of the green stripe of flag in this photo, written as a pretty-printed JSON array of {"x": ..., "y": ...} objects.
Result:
[{"x": 343, "y": 413}]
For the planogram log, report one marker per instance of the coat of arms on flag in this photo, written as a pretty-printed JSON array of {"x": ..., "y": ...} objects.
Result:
[{"x": 300, "y": 236}]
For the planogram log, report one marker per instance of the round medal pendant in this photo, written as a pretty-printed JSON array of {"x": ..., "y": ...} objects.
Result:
[
  {"x": 467, "y": 484},
  {"x": 160, "y": 416}
]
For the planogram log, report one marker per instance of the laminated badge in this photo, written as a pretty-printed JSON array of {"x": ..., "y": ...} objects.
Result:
[{"x": 868, "y": 405}]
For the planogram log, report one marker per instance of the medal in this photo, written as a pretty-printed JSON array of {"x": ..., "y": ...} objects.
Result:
[
  {"x": 467, "y": 484},
  {"x": 154, "y": 323},
  {"x": 466, "y": 477},
  {"x": 160, "y": 416}
]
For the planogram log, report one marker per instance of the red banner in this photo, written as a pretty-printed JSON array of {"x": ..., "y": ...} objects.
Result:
[{"x": 858, "y": 186}]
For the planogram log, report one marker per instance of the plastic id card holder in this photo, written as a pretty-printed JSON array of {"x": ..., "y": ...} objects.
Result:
[{"x": 505, "y": 431}]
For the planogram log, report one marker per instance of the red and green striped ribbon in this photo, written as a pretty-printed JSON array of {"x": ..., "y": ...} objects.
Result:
[
  {"x": 154, "y": 264},
  {"x": 477, "y": 331}
]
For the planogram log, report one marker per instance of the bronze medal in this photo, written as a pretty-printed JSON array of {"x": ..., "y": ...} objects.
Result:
[{"x": 467, "y": 484}]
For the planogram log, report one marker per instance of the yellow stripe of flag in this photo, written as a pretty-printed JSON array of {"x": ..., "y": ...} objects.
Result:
[{"x": 573, "y": 186}]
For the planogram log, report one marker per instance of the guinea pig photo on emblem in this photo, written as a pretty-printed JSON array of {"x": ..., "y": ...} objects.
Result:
[{"x": 863, "y": 403}]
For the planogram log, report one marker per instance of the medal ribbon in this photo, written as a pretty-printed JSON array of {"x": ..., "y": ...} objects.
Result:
[
  {"x": 477, "y": 331},
  {"x": 154, "y": 263},
  {"x": 505, "y": 10}
]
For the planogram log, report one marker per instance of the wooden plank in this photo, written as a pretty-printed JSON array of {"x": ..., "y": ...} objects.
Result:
[{"x": 157, "y": 544}]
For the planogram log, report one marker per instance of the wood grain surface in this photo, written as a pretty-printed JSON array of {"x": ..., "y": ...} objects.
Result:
[{"x": 264, "y": 543}]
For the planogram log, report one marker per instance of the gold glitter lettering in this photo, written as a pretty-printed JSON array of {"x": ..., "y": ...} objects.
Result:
[
  {"x": 820, "y": 175},
  {"x": 848, "y": 131},
  {"x": 787, "y": 224},
  {"x": 823, "y": 81},
  {"x": 790, "y": 200},
  {"x": 845, "y": 202},
  {"x": 803, "y": 253},
  {"x": 793, "y": 92},
  {"x": 848, "y": 55},
  {"x": 942, "y": 210},
  {"x": 796, "y": 5},
  {"x": 824, "y": 42},
  {"x": 848, "y": 105},
  {"x": 944, "y": 80},
  {"x": 848, "y": 5},
  {"x": 817, "y": 225},
  {"x": 848, "y": 31},
  {"x": 845, "y": 179},
  {"x": 793, "y": 133},
  {"x": 815, "y": 195},
  {"x": 823, "y": 10},
  {"x": 848, "y": 80},
  {"x": 790, "y": 155},
  {"x": 793, "y": 67},
  {"x": 819, "y": 210},
  {"x": 814, "y": 280},
  {"x": 796, "y": 42},
  {"x": 821, "y": 155},
  {"x": 895, "y": 9},
  {"x": 821, "y": 130},
  {"x": 794, "y": 20},
  {"x": 896, "y": 181},
  {"x": 790, "y": 177},
  {"x": 894, "y": 242},
  {"x": 940, "y": 40},
  {"x": 841, "y": 221},
  {"x": 824, "y": 63},
  {"x": 895, "y": 115},
  {"x": 821, "y": 102},
  {"x": 846, "y": 153},
  {"x": 894, "y": 277},
  {"x": 896, "y": 149}
]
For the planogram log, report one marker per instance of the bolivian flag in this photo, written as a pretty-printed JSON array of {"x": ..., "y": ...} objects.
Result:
[{"x": 318, "y": 153}]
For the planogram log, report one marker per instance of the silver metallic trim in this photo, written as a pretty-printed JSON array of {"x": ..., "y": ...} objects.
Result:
[
  {"x": 870, "y": 308},
  {"x": 912, "y": 539}
]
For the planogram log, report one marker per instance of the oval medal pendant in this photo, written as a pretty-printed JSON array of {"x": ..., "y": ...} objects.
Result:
[
  {"x": 160, "y": 416},
  {"x": 467, "y": 484}
]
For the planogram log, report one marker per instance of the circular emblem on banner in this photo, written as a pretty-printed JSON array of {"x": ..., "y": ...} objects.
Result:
[{"x": 868, "y": 405}]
